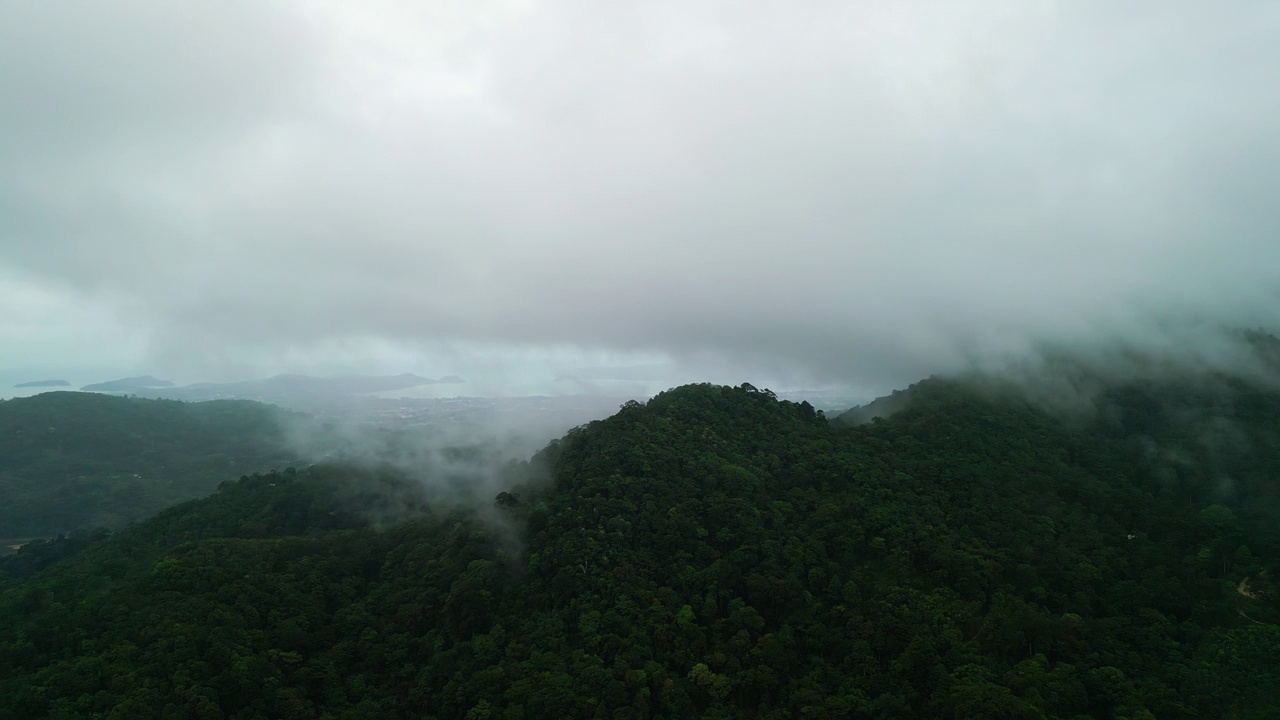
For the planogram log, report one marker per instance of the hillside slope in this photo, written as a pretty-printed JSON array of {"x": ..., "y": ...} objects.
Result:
[
  {"x": 71, "y": 459},
  {"x": 712, "y": 553}
]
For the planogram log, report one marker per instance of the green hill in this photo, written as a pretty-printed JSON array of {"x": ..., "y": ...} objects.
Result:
[
  {"x": 71, "y": 459},
  {"x": 712, "y": 553}
]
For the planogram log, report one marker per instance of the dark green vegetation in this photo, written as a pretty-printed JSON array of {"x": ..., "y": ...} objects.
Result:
[
  {"x": 70, "y": 460},
  {"x": 712, "y": 553}
]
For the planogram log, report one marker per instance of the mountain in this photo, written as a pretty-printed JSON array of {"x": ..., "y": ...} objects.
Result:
[
  {"x": 69, "y": 459},
  {"x": 142, "y": 382},
  {"x": 43, "y": 383},
  {"x": 713, "y": 553}
]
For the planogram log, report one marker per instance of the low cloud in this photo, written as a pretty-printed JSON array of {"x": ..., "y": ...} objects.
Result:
[{"x": 836, "y": 192}]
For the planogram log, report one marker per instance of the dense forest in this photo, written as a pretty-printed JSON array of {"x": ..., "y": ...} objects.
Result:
[
  {"x": 711, "y": 553},
  {"x": 71, "y": 460}
]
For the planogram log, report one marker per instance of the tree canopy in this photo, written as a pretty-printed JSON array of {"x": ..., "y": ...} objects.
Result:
[{"x": 711, "y": 553}]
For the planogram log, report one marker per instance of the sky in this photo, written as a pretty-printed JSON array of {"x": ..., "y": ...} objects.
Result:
[{"x": 802, "y": 194}]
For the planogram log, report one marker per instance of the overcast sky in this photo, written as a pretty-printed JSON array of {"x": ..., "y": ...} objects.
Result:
[{"x": 806, "y": 192}]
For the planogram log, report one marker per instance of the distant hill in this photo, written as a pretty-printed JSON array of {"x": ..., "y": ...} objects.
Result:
[
  {"x": 1069, "y": 382},
  {"x": 285, "y": 389},
  {"x": 69, "y": 459},
  {"x": 299, "y": 391},
  {"x": 142, "y": 382},
  {"x": 43, "y": 383}
]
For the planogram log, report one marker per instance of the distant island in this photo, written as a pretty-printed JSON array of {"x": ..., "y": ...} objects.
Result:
[
  {"x": 43, "y": 383},
  {"x": 142, "y": 382}
]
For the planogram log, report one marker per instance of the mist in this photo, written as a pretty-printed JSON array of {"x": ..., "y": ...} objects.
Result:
[
  {"x": 456, "y": 454},
  {"x": 856, "y": 194}
]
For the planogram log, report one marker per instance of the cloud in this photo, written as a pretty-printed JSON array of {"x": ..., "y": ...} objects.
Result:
[{"x": 842, "y": 191}]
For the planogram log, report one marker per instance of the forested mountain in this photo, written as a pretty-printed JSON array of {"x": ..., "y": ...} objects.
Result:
[
  {"x": 712, "y": 553},
  {"x": 71, "y": 459}
]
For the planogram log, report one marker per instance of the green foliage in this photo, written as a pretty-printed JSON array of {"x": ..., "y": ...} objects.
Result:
[
  {"x": 713, "y": 553},
  {"x": 71, "y": 460}
]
